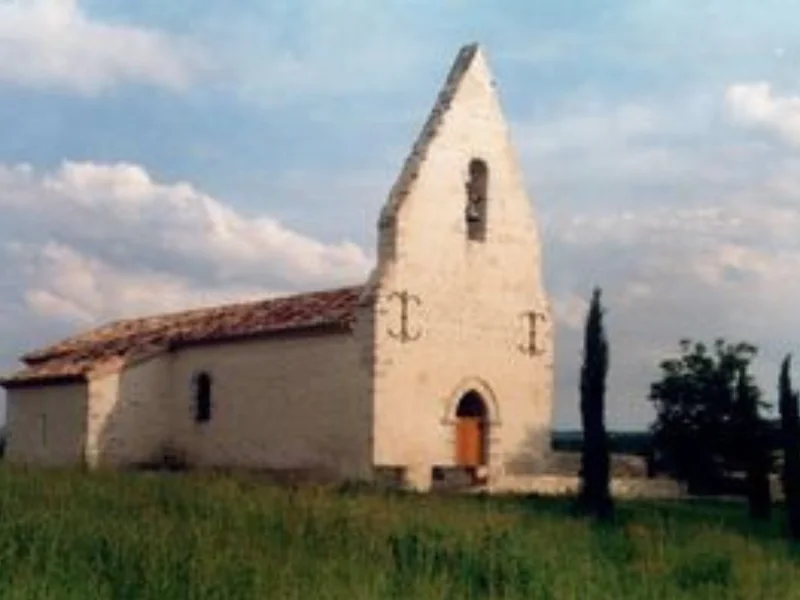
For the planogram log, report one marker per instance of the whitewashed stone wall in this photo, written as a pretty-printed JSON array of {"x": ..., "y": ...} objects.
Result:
[
  {"x": 128, "y": 417},
  {"x": 299, "y": 403},
  {"x": 46, "y": 425},
  {"x": 473, "y": 295}
]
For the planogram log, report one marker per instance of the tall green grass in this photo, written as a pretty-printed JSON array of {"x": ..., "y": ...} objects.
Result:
[{"x": 71, "y": 535}]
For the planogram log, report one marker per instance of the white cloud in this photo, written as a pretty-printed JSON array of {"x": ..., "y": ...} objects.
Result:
[
  {"x": 756, "y": 105},
  {"x": 594, "y": 148},
  {"x": 689, "y": 229},
  {"x": 97, "y": 241},
  {"x": 47, "y": 43},
  {"x": 727, "y": 269},
  {"x": 742, "y": 254},
  {"x": 67, "y": 285}
]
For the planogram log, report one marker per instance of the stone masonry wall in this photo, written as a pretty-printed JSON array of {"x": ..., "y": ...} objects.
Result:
[
  {"x": 128, "y": 418},
  {"x": 299, "y": 403},
  {"x": 473, "y": 296},
  {"x": 47, "y": 425}
]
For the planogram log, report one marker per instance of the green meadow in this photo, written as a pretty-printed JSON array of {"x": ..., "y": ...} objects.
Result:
[{"x": 164, "y": 536}]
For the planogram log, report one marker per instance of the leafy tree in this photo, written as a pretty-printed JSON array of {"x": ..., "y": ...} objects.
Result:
[
  {"x": 594, "y": 495},
  {"x": 754, "y": 449},
  {"x": 697, "y": 433},
  {"x": 790, "y": 441}
]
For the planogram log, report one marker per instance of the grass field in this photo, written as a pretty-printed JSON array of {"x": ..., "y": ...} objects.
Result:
[{"x": 69, "y": 535}]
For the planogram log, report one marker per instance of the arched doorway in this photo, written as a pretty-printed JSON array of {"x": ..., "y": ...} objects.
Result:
[{"x": 471, "y": 431}]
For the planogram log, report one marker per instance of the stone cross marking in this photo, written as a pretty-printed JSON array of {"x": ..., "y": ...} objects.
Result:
[
  {"x": 531, "y": 348},
  {"x": 405, "y": 335}
]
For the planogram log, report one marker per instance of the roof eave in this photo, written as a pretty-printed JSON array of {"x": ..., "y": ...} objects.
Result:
[
  {"x": 41, "y": 380},
  {"x": 330, "y": 328}
]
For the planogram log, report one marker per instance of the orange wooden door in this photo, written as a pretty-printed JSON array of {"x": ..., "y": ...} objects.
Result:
[{"x": 469, "y": 450}]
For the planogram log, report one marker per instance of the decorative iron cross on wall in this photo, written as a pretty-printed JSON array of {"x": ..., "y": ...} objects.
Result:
[
  {"x": 404, "y": 335},
  {"x": 531, "y": 348}
]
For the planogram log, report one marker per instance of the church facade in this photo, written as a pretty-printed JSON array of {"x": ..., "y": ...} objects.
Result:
[{"x": 440, "y": 364}]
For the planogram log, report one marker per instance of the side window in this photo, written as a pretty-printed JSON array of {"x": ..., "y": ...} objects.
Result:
[
  {"x": 202, "y": 397},
  {"x": 477, "y": 200}
]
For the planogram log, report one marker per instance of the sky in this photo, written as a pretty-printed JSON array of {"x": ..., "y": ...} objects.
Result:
[{"x": 160, "y": 155}]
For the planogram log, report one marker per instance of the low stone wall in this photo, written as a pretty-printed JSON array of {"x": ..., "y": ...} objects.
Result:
[
  {"x": 558, "y": 475},
  {"x": 625, "y": 466},
  {"x": 621, "y": 487}
]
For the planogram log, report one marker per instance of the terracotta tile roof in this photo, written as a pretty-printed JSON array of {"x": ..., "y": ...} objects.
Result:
[{"x": 73, "y": 358}]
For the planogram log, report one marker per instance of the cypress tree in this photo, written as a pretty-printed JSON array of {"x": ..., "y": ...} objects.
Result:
[
  {"x": 790, "y": 438},
  {"x": 594, "y": 496},
  {"x": 753, "y": 436}
]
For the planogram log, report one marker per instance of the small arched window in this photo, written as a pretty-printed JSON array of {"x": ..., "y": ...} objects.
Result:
[
  {"x": 202, "y": 397},
  {"x": 477, "y": 199}
]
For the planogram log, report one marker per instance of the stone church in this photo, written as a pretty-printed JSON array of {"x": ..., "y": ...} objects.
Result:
[{"x": 438, "y": 366}]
